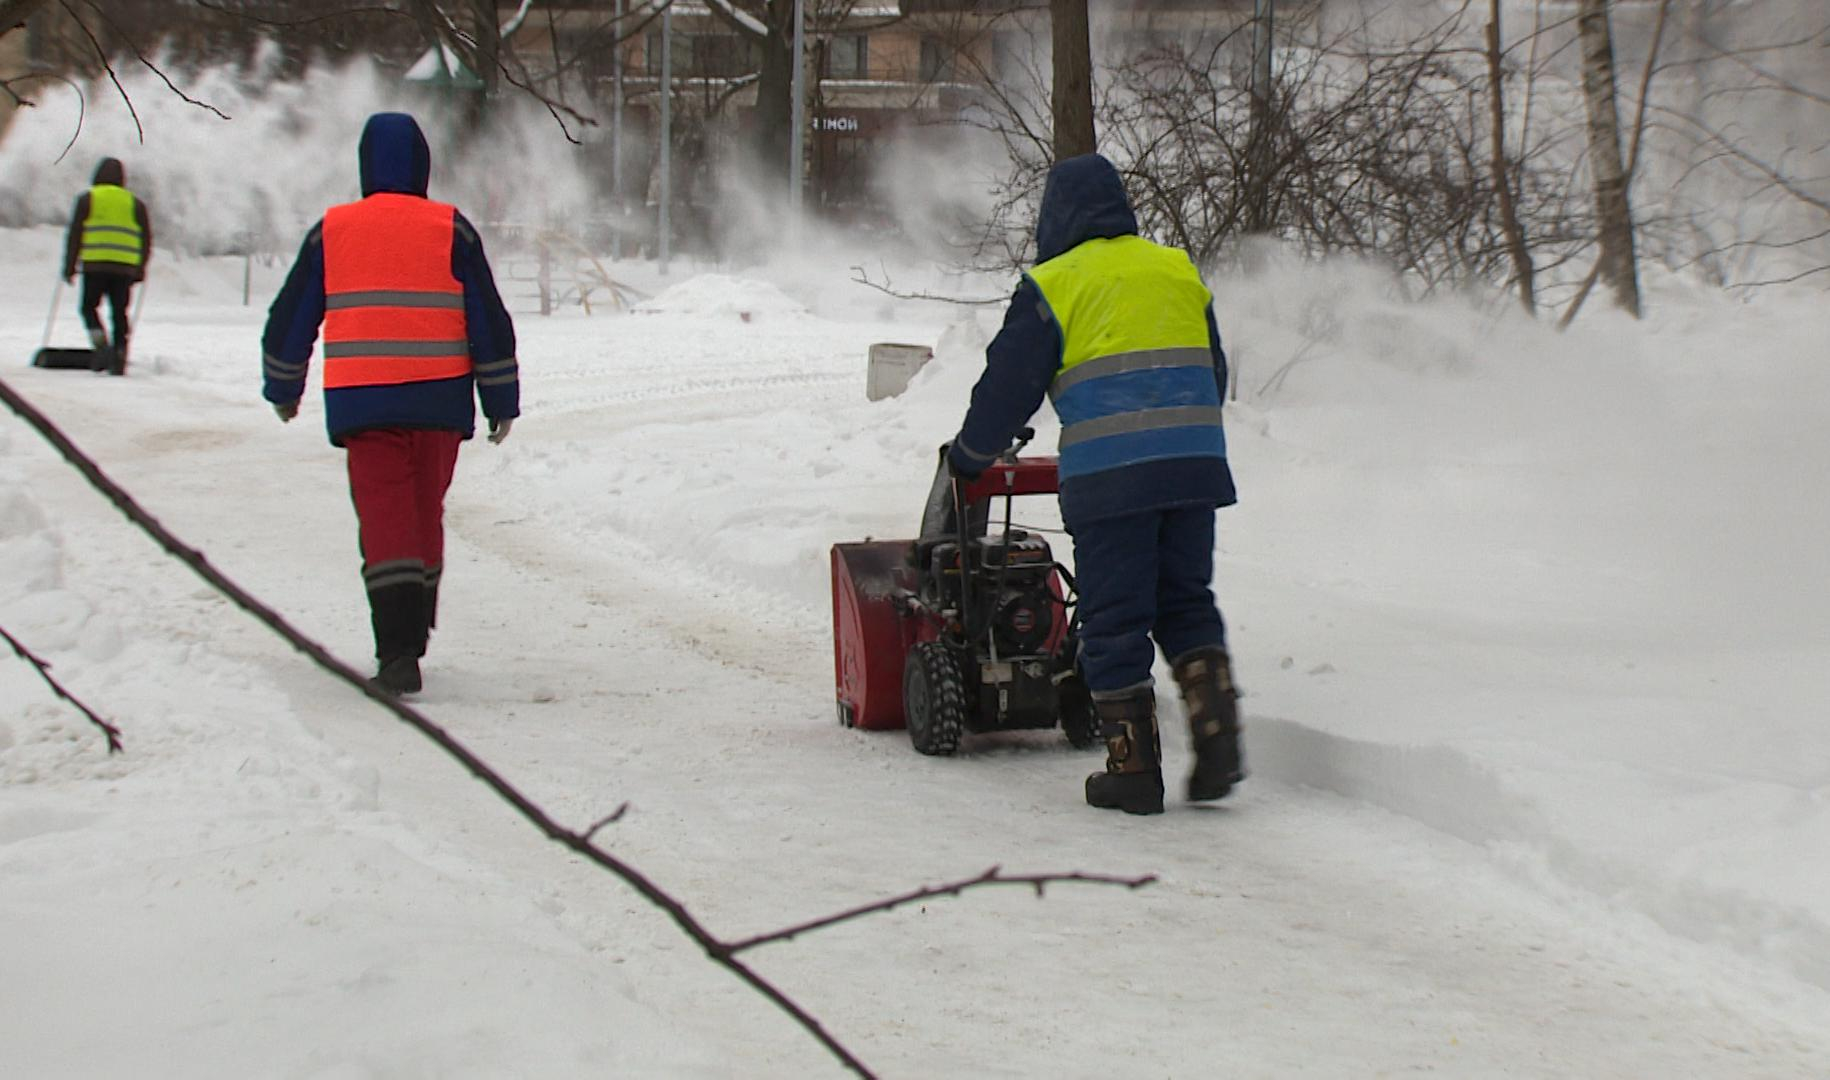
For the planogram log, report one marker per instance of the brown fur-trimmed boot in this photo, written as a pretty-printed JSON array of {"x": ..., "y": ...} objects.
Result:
[
  {"x": 1133, "y": 780},
  {"x": 1206, "y": 678}
]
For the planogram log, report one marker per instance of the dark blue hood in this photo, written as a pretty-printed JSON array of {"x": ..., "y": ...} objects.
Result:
[
  {"x": 1084, "y": 199},
  {"x": 394, "y": 156}
]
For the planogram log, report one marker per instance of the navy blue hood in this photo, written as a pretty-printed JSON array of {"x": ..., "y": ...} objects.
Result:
[
  {"x": 394, "y": 156},
  {"x": 110, "y": 171},
  {"x": 1083, "y": 200}
]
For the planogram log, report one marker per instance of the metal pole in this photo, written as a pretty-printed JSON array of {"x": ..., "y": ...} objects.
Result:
[
  {"x": 616, "y": 136},
  {"x": 667, "y": 132},
  {"x": 798, "y": 133}
]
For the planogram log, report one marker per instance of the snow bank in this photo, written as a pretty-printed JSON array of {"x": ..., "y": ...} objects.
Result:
[{"x": 723, "y": 295}]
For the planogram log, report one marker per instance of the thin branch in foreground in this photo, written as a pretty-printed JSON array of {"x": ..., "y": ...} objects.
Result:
[
  {"x": 150, "y": 66},
  {"x": 993, "y": 876},
  {"x": 82, "y": 103},
  {"x": 44, "y": 672},
  {"x": 106, "y": 66},
  {"x": 715, "y": 948}
]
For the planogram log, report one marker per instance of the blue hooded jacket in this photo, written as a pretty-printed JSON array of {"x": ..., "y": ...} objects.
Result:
[
  {"x": 1084, "y": 199},
  {"x": 394, "y": 159}
]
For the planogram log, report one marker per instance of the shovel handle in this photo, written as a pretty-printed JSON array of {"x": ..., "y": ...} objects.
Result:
[{"x": 50, "y": 319}]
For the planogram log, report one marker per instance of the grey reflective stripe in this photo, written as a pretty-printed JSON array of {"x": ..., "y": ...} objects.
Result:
[
  {"x": 337, "y": 350},
  {"x": 130, "y": 230},
  {"x": 496, "y": 365},
  {"x": 130, "y": 249},
  {"x": 280, "y": 369},
  {"x": 1142, "y": 420},
  {"x": 498, "y": 380},
  {"x": 394, "y": 572},
  {"x": 1140, "y": 360},
  {"x": 974, "y": 455},
  {"x": 410, "y": 298}
]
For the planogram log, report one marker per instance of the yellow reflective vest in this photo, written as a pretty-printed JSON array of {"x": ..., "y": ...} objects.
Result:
[
  {"x": 111, "y": 232},
  {"x": 1137, "y": 381}
]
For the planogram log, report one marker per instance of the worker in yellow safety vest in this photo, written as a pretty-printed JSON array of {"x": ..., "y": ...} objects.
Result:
[{"x": 110, "y": 239}]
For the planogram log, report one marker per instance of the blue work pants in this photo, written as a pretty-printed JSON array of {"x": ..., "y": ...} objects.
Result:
[{"x": 1144, "y": 576}]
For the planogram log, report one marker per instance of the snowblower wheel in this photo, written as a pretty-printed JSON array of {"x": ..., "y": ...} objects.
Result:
[
  {"x": 933, "y": 698},
  {"x": 1079, "y": 720}
]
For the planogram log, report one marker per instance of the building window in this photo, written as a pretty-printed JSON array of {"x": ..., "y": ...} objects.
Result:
[
  {"x": 938, "y": 60},
  {"x": 847, "y": 57},
  {"x": 704, "y": 56}
]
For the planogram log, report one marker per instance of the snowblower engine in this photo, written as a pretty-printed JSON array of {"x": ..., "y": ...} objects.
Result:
[{"x": 962, "y": 629}]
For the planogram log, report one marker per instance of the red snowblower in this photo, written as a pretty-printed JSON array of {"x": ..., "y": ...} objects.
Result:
[{"x": 958, "y": 630}]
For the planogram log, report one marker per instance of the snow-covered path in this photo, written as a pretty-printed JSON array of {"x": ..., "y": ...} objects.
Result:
[{"x": 277, "y": 879}]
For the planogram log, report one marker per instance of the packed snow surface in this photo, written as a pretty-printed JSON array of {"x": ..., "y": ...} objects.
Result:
[{"x": 1534, "y": 630}]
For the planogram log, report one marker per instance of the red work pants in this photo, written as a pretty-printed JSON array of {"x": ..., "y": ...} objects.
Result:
[{"x": 397, "y": 479}]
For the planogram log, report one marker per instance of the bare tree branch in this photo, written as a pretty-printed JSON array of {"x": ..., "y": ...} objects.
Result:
[
  {"x": 993, "y": 876},
  {"x": 862, "y": 277},
  {"x": 154, "y": 68},
  {"x": 82, "y": 102},
  {"x": 719, "y": 951},
  {"x": 106, "y": 66},
  {"x": 44, "y": 672}
]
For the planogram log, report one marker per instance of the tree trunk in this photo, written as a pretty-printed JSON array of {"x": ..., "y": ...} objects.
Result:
[
  {"x": 772, "y": 123},
  {"x": 1617, "y": 263},
  {"x": 1522, "y": 270},
  {"x": 1073, "y": 82}
]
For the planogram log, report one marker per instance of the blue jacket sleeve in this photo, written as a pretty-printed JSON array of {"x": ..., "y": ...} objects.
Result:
[
  {"x": 1020, "y": 364},
  {"x": 1213, "y": 342},
  {"x": 492, "y": 332},
  {"x": 292, "y": 323}
]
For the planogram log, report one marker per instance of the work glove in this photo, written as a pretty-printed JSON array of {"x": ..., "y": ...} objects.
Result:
[
  {"x": 499, "y": 429},
  {"x": 69, "y": 277},
  {"x": 286, "y": 410}
]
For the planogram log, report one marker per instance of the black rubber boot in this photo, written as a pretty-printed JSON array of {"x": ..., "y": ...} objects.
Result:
[
  {"x": 1133, "y": 780},
  {"x": 398, "y": 676},
  {"x": 117, "y": 358},
  {"x": 432, "y": 579},
  {"x": 398, "y": 616},
  {"x": 101, "y": 357},
  {"x": 1206, "y": 678}
]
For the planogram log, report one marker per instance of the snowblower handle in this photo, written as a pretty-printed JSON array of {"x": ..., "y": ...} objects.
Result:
[{"x": 1015, "y": 448}]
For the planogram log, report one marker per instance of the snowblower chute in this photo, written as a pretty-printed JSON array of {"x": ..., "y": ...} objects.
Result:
[{"x": 960, "y": 630}]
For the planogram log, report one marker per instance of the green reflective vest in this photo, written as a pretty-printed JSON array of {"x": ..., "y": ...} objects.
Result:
[{"x": 111, "y": 232}]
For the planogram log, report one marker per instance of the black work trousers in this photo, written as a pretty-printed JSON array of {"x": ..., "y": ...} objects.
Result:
[{"x": 117, "y": 288}]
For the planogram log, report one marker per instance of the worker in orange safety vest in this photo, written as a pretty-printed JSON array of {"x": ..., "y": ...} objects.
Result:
[{"x": 414, "y": 333}]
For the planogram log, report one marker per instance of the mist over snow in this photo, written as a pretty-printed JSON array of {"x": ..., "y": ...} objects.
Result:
[
  {"x": 288, "y": 150},
  {"x": 1533, "y": 630}
]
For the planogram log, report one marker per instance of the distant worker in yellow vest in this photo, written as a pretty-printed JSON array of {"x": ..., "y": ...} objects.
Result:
[{"x": 110, "y": 238}]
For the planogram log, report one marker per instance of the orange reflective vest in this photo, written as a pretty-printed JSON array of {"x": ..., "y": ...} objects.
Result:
[{"x": 393, "y": 312}]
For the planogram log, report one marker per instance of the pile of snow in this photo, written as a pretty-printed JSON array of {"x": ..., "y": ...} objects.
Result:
[{"x": 723, "y": 295}]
